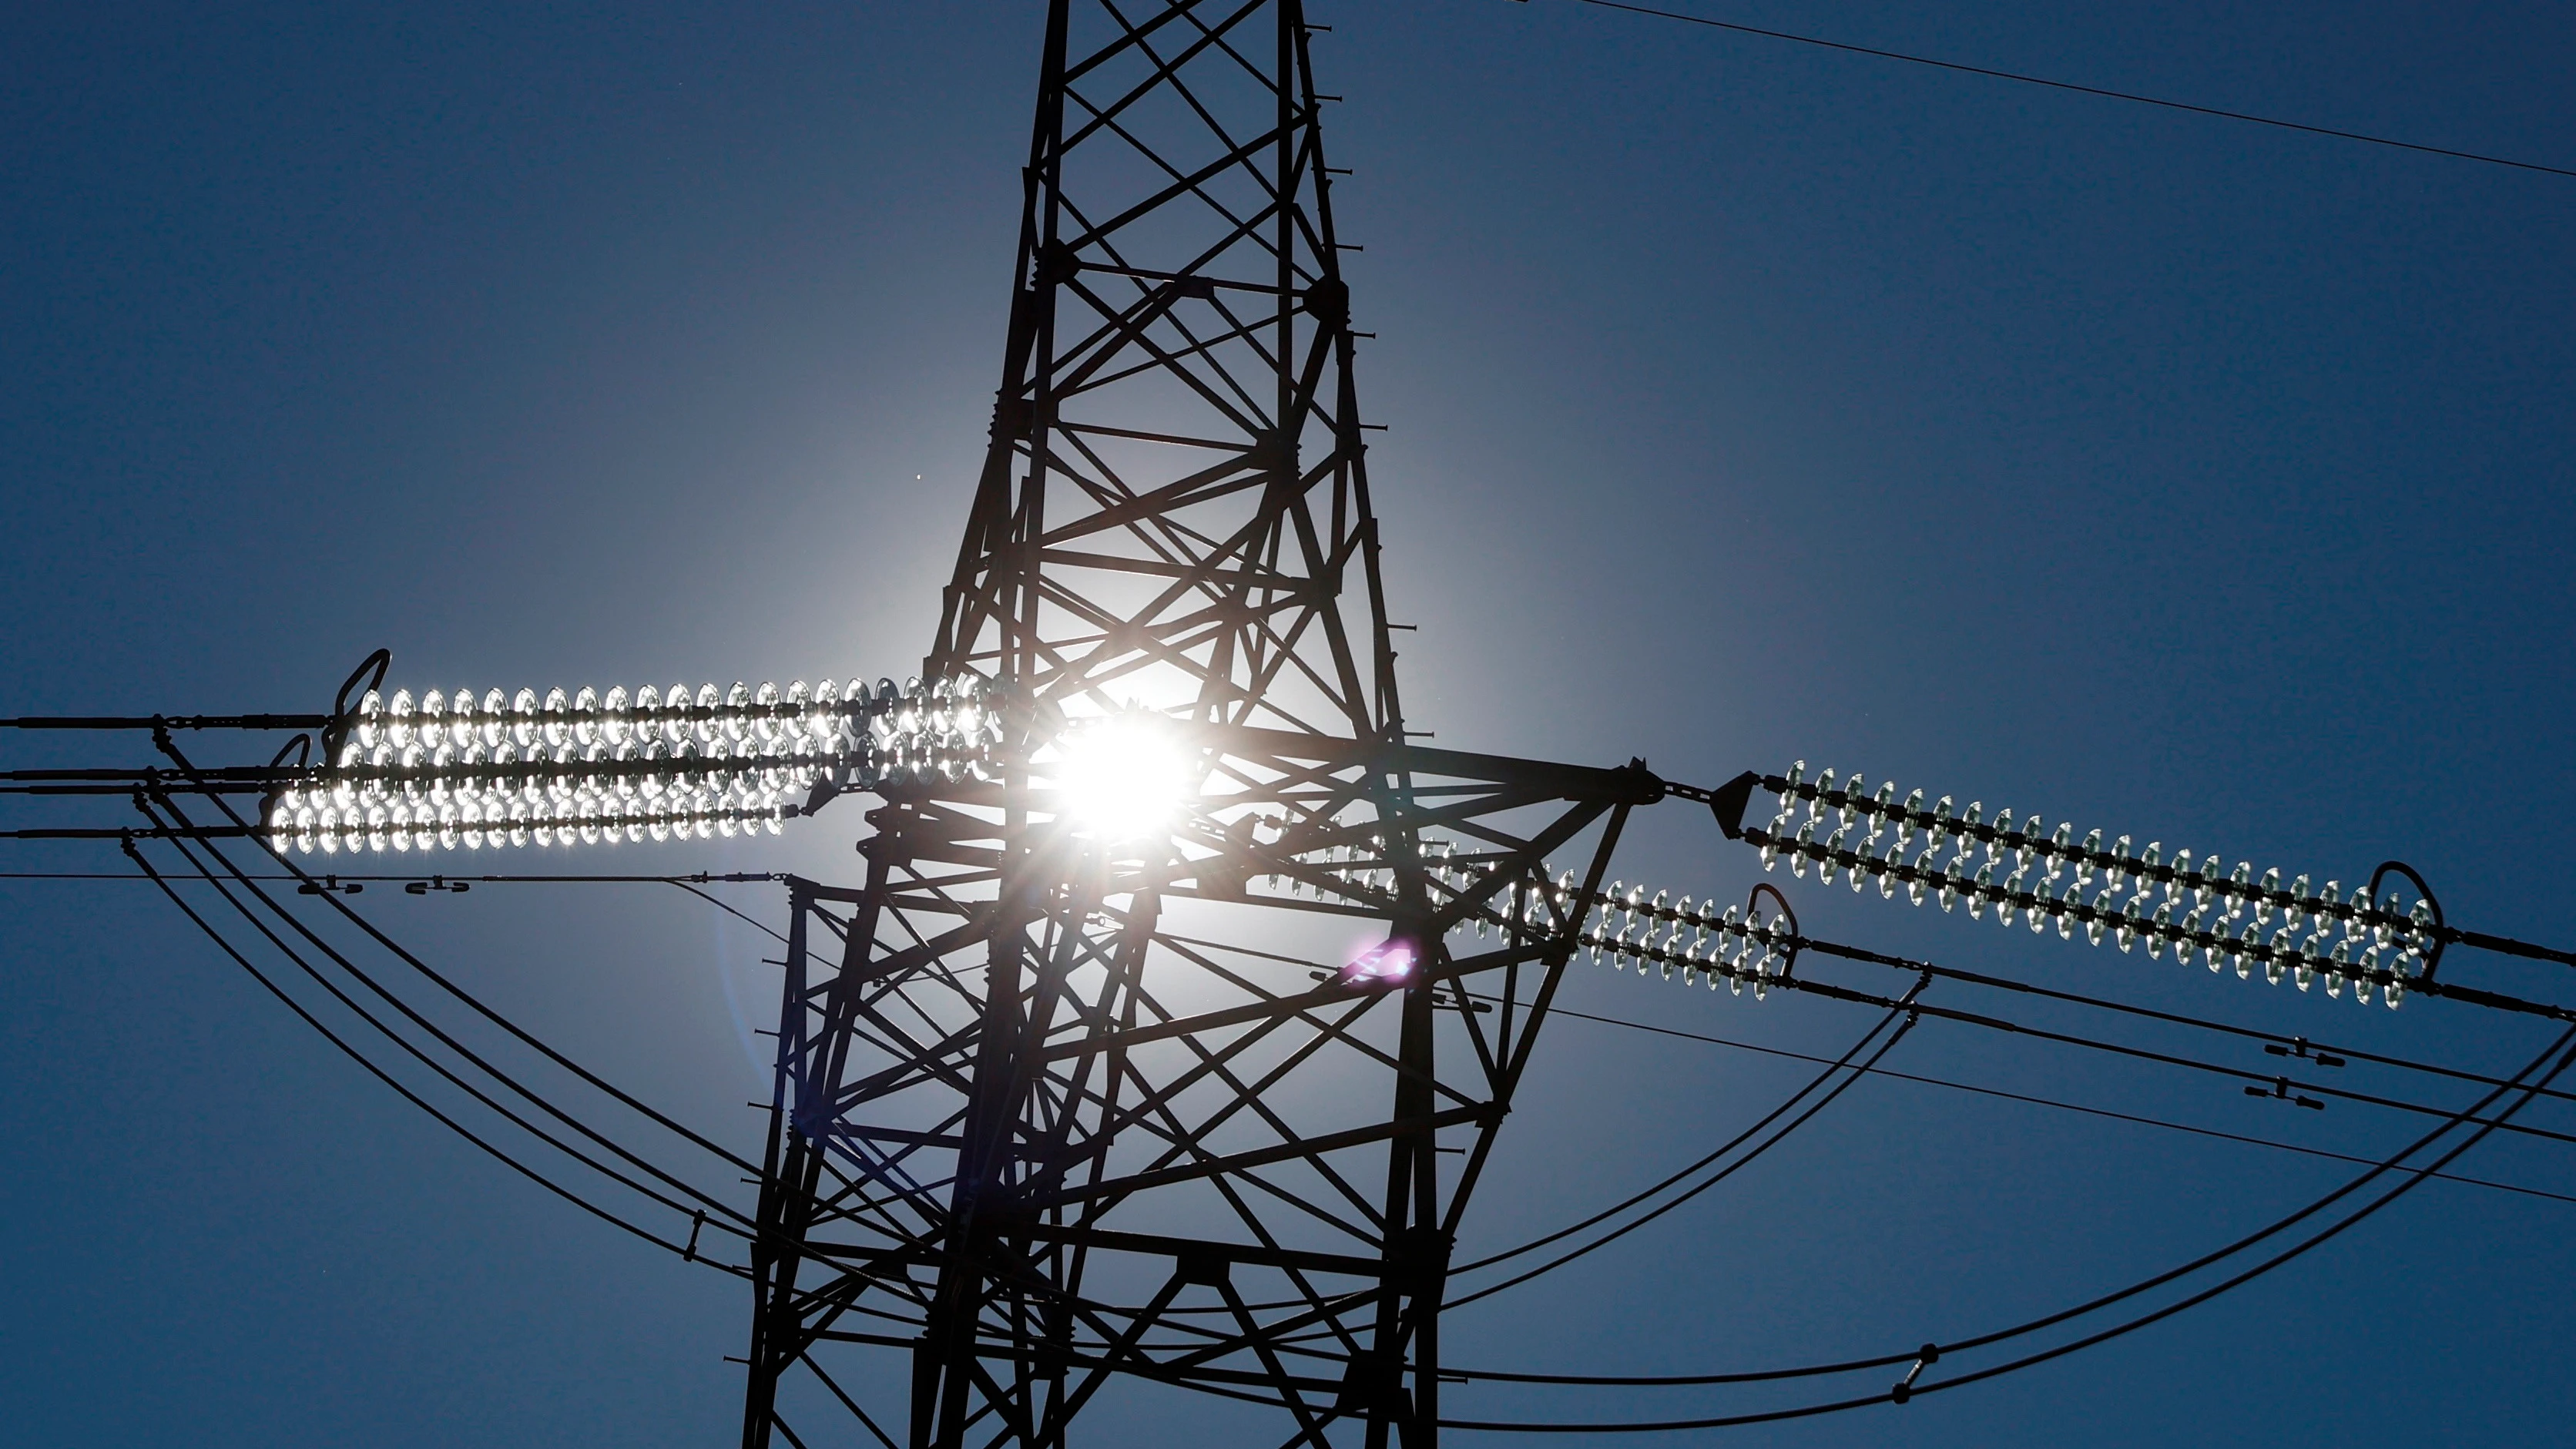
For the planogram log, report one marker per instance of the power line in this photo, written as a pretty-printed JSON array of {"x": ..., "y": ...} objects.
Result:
[
  {"x": 715, "y": 1205},
  {"x": 1871, "y": 1066},
  {"x": 2023, "y": 1097},
  {"x": 1861, "y": 1069},
  {"x": 408, "y": 1095},
  {"x": 2112, "y": 1048},
  {"x": 712, "y": 1214},
  {"x": 2560, "y": 1048},
  {"x": 1787, "y": 944},
  {"x": 1865, "y": 1067},
  {"x": 2564, "y": 1048},
  {"x": 985, "y": 925},
  {"x": 2059, "y": 85},
  {"x": 1721, "y": 1175},
  {"x": 1831, "y": 1068},
  {"x": 452, "y": 989},
  {"x": 2293, "y": 1044},
  {"x": 535, "y": 1098}
]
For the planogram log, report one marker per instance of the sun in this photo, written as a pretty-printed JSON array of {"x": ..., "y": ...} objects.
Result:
[{"x": 1123, "y": 777}]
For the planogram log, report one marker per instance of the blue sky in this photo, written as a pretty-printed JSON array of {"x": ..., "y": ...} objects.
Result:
[{"x": 1747, "y": 403}]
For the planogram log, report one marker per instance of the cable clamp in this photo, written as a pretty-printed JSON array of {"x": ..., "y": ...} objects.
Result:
[
  {"x": 2280, "y": 1091},
  {"x": 1904, "y": 1389},
  {"x": 2300, "y": 1047}
]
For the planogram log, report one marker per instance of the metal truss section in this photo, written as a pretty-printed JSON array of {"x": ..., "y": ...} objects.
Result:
[
  {"x": 1100, "y": 1116},
  {"x": 1060, "y": 1107},
  {"x": 1174, "y": 505}
]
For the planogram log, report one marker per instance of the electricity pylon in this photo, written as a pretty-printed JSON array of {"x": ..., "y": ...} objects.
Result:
[
  {"x": 1198, "y": 1102},
  {"x": 1145, "y": 1053}
]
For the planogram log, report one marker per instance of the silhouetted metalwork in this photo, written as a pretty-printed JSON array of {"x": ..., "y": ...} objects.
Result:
[
  {"x": 1053, "y": 1108},
  {"x": 1065, "y": 1106}
]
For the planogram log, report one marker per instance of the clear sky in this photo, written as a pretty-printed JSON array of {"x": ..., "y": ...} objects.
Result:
[{"x": 1747, "y": 403}]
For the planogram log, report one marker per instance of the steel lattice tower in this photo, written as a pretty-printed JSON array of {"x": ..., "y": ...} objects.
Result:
[
  {"x": 1170, "y": 1030},
  {"x": 1051, "y": 1109}
]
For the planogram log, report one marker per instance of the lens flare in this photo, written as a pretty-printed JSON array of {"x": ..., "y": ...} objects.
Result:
[{"x": 1388, "y": 961}]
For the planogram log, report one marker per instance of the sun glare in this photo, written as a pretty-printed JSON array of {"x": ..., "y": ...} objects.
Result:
[{"x": 1124, "y": 776}]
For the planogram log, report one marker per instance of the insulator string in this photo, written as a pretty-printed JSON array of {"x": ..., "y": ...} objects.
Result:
[
  {"x": 447, "y": 771},
  {"x": 2028, "y": 874}
]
